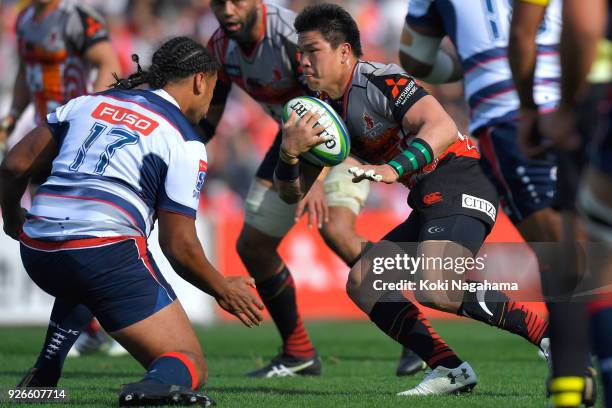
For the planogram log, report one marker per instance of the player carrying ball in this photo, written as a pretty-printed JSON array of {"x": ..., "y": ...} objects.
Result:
[{"x": 415, "y": 143}]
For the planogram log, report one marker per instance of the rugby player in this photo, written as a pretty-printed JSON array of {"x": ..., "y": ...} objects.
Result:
[
  {"x": 60, "y": 42},
  {"x": 480, "y": 34},
  {"x": 121, "y": 160},
  {"x": 423, "y": 149},
  {"x": 256, "y": 44},
  {"x": 583, "y": 24}
]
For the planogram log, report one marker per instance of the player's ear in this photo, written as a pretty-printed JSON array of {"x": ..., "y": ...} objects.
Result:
[
  {"x": 345, "y": 52},
  {"x": 199, "y": 83}
]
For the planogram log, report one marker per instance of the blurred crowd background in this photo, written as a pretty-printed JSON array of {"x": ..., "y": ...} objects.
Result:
[{"x": 244, "y": 135}]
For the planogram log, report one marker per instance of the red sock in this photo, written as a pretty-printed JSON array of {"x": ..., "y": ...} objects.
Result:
[
  {"x": 496, "y": 309},
  {"x": 93, "y": 327}
]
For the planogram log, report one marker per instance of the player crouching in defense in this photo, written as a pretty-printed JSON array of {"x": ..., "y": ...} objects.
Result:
[
  {"x": 416, "y": 143},
  {"x": 120, "y": 160}
]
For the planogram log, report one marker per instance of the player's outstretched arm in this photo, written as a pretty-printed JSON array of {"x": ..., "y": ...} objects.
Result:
[
  {"x": 435, "y": 131},
  {"x": 522, "y": 48},
  {"x": 583, "y": 26},
  {"x": 33, "y": 154},
  {"x": 103, "y": 57},
  {"x": 293, "y": 178},
  {"x": 428, "y": 120},
  {"x": 522, "y": 55},
  {"x": 180, "y": 244}
]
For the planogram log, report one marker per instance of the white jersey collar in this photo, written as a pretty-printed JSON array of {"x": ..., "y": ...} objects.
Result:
[{"x": 166, "y": 96}]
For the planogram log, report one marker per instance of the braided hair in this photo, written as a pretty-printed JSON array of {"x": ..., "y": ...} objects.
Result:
[{"x": 176, "y": 59}]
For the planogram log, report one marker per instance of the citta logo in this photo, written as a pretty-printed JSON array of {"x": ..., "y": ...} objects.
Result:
[
  {"x": 203, "y": 168},
  {"x": 478, "y": 204}
]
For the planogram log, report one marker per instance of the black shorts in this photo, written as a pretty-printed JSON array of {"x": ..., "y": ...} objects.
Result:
[
  {"x": 267, "y": 166},
  {"x": 467, "y": 231},
  {"x": 456, "y": 187}
]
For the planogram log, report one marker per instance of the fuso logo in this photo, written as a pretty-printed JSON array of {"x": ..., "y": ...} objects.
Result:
[{"x": 118, "y": 115}]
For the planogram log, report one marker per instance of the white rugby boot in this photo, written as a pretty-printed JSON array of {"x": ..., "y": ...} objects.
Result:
[{"x": 442, "y": 380}]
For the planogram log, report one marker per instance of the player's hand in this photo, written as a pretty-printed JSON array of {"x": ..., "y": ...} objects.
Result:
[
  {"x": 238, "y": 299},
  {"x": 559, "y": 129},
  {"x": 13, "y": 223},
  {"x": 315, "y": 204},
  {"x": 301, "y": 134},
  {"x": 382, "y": 173},
  {"x": 530, "y": 139}
]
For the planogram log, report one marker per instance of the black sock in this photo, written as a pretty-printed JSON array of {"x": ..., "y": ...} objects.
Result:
[
  {"x": 278, "y": 294},
  {"x": 401, "y": 320},
  {"x": 496, "y": 309},
  {"x": 64, "y": 327}
]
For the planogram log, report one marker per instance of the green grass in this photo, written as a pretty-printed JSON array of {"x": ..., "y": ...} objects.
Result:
[{"x": 358, "y": 368}]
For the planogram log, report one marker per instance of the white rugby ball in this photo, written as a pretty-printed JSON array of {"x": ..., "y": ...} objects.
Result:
[{"x": 332, "y": 152}]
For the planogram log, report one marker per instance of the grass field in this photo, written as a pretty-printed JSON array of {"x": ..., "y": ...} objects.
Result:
[{"x": 358, "y": 368}]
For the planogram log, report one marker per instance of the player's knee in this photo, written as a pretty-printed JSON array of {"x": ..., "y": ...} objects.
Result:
[
  {"x": 427, "y": 298},
  {"x": 353, "y": 285},
  {"x": 336, "y": 231}
]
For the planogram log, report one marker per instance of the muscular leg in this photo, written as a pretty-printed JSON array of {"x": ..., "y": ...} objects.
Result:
[
  {"x": 258, "y": 252},
  {"x": 165, "y": 342},
  {"x": 460, "y": 236},
  {"x": 268, "y": 220},
  {"x": 340, "y": 234},
  {"x": 391, "y": 311},
  {"x": 345, "y": 200},
  {"x": 527, "y": 191},
  {"x": 166, "y": 345}
]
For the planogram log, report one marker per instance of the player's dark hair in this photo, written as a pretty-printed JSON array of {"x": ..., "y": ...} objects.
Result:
[
  {"x": 176, "y": 59},
  {"x": 333, "y": 22}
]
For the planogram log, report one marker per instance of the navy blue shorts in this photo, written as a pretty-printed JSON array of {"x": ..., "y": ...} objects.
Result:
[
  {"x": 116, "y": 278},
  {"x": 524, "y": 185}
]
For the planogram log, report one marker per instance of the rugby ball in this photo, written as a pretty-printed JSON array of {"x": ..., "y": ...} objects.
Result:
[{"x": 332, "y": 152}]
